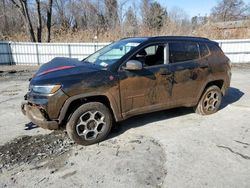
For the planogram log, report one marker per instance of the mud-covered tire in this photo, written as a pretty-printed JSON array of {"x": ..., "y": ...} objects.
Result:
[
  {"x": 210, "y": 101},
  {"x": 90, "y": 123}
]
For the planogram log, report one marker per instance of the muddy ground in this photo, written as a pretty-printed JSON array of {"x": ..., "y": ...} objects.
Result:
[{"x": 172, "y": 148}]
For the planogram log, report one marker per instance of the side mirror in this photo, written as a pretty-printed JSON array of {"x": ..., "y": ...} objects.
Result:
[{"x": 133, "y": 65}]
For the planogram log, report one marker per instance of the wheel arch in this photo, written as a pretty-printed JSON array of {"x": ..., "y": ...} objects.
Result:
[
  {"x": 76, "y": 101},
  {"x": 218, "y": 82}
]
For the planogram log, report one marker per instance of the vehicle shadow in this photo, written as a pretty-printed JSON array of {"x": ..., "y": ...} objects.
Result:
[
  {"x": 141, "y": 120},
  {"x": 233, "y": 95}
]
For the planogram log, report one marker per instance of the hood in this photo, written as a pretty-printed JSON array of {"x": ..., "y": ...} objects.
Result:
[
  {"x": 61, "y": 64},
  {"x": 64, "y": 67}
]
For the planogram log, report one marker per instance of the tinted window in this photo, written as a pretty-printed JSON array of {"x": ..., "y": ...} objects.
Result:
[
  {"x": 203, "y": 50},
  {"x": 214, "y": 48},
  {"x": 151, "y": 55},
  {"x": 113, "y": 52},
  {"x": 182, "y": 51},
  {"x": 151, "y": 50}
]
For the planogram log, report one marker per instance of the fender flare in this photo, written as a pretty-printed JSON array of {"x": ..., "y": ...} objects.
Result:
[
  {"x": 223, "y": 89},
  {"x": 113, "y": 104}
]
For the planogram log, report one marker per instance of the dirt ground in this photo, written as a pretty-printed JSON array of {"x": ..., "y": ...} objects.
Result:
[{"x": 172, "y": 148}]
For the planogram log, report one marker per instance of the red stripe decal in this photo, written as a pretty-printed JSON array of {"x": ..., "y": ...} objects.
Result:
[{"x": 55, "y": 69}]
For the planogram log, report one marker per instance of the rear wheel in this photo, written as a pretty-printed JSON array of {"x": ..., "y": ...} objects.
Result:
[
  {"x": 90, "y": 123},
  {"x": 210, "y": 101}
]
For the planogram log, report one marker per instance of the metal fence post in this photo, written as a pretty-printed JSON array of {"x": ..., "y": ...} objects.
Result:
[
  {"x": 95, "y": 47},
  {"x": 69, "y": 47},
  {"x": 221, "y": 44},
  {"x": 37, "y": 54},
  {"x": 10, "y": 53},
  {"x": 16, "y": 52}
]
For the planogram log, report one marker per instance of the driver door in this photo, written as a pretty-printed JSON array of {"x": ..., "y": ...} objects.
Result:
[{"x": 147, "y": 89}]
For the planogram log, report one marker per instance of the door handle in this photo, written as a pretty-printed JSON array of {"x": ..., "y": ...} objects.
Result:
[
  {"x": 203, "y": 66},
  {"x": 165, "y": 73}
]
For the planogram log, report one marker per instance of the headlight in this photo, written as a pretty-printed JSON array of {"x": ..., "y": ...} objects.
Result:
[{"x": 46, "y": 89}]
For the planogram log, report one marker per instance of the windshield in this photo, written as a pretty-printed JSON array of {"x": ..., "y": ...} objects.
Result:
[{"x": 111, "y": 53}]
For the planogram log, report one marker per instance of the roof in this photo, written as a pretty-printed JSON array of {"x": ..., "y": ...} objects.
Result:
[{"x": 161, "y": 38}]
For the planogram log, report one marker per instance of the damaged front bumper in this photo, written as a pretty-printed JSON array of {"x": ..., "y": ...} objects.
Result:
[{"x": 35, "y": 115}]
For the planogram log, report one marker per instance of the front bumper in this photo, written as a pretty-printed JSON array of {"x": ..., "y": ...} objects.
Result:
[{"x": 36, "y": 116}]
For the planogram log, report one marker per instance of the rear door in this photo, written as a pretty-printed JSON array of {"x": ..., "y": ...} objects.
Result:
[{"x": 184, "y": 59}]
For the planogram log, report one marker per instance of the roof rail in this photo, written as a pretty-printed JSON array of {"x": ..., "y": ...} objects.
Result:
[
  {"x": 181, "y": 37},
  {"x": 169, "y": 37},
  {"x": 132, "y": 37}
]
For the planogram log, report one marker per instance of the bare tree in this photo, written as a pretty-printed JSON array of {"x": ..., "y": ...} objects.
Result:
[
  {"x": 131, "y": 22},
  {"x": 111, "y": 14},
  {"x": 6, "y": 25},
  {"x": 61, "y": 9},
  {"x": 145, "y": 6},
  {"x": 230, "y": 10},
  {"x": 22, "y": 7},
  {"x": 49, "y": 17},
  {"x": 100, "y": 18},
  {"x": 39, "y": 25},
  {"x": 11, "y": 21},
  {"x": 122, "y": 10},
  {"x": 178, "y": 15}
]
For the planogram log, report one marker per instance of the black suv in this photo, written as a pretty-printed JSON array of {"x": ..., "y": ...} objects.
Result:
[{"x": 129, "y": 77}]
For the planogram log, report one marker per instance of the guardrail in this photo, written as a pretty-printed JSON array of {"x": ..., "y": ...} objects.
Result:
[{"x": 26, "y": 53}]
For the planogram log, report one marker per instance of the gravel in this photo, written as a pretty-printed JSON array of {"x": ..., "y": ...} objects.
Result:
[{"x": 30, "y": 149}]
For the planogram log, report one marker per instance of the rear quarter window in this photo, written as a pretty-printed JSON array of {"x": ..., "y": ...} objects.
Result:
[
  {"x": 203, "y": 50},
  {"x": 215, "y": 49},
  {"x": 183, "y": 51}
]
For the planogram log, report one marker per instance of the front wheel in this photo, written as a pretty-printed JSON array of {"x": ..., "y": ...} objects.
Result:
[
  {"x": 210, "y": 101},
  {"x": 90, "y": 123}
]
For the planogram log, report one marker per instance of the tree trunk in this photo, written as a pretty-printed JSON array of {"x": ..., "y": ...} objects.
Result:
[
  {"x": 6, "y": 25},
  {"x": 25, "y": 12},
  {"x": 22, "y": 7},
  {"x": 39, "y": 27},
  {"x": 49, "y": 15}
]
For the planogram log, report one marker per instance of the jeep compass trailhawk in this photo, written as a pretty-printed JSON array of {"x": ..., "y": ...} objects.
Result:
[{"x": 126, "y": 78}]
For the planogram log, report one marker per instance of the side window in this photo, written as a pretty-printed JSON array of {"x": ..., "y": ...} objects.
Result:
[
  {"x": 215, "y": 49},
  {"x": 203, "y": 49},
  {"x": 151, "y": 55},
  {"x": 151, "y": 50},
  {"x": 182, "y": 51}
]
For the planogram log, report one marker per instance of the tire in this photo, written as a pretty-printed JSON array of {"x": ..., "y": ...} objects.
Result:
[
  {"x": 90, "y": 123},
  {"x": 210, "y": 101}
]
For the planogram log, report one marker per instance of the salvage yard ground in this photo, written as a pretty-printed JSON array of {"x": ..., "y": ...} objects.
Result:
[{"x": 172, "y": 148}]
